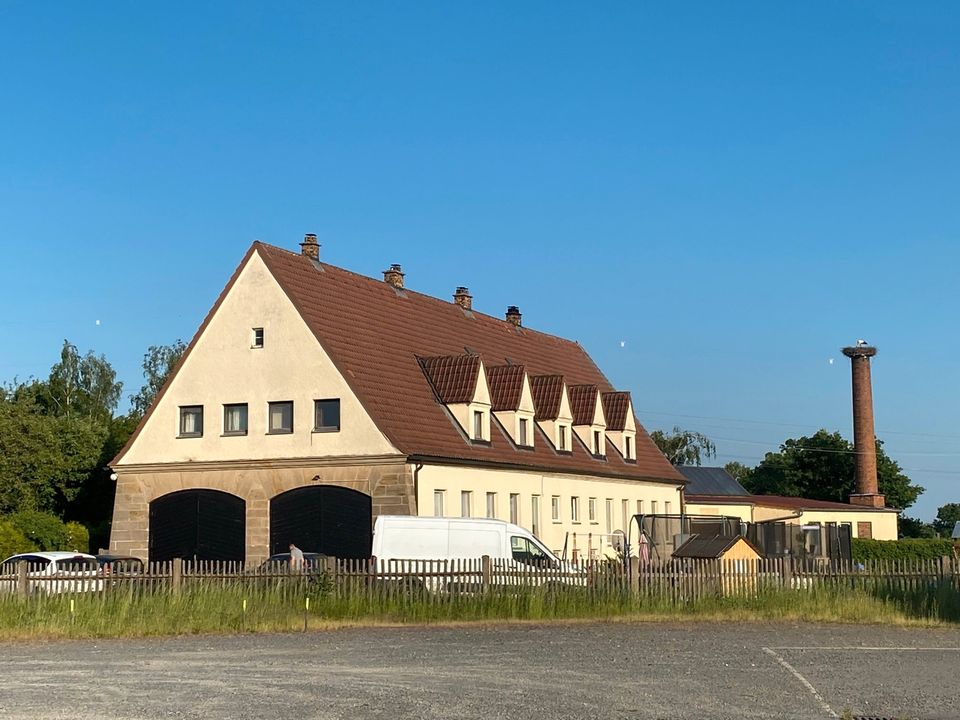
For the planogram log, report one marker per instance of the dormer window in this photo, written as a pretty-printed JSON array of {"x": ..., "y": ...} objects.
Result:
[
  {"x": 596, "y": 442},
  {"x": 478, "y": 425},
  {"x": 522, "y": 439},
  {"x": 562, "y": 438},
  {"x": 256, "y": 338},
  {"x": 628, "y": 448}
]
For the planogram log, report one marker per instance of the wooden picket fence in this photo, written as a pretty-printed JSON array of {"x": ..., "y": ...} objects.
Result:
[{"x": 672, "y": 580}]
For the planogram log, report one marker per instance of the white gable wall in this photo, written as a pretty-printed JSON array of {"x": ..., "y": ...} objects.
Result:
[{"x": 223, "y": 368}]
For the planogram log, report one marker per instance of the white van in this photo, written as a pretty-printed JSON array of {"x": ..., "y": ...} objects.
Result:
[{"x": 517, "y": 556}]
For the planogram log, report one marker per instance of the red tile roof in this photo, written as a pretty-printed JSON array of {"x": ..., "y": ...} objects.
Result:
[
  {"x": 375, "y": 335},
  {"x": 615, "y": 407},
  {"x": 454, "y": 377},
  {"x": 583, "y": 403},
  {"x": 547, "y": 396},
  {"x": 780, "y": 501},
  {"x": 506, "y": 386}
]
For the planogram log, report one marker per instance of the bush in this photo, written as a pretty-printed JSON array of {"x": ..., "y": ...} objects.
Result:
[
  {"x": 78, "y": 537},
  {"x": 12, "y": 541},
  {"x": 43, "y": 529},
  {"x": 906, "y": 549}
]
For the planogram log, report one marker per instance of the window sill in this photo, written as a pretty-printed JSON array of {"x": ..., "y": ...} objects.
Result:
[
  {"x": 280, "y": 432},
  {"x": 326, "y": 429},
  {"x": 485, "y": 443},
  {"x": 234, "y": 434},
  {"x": 190, "y": 435}
]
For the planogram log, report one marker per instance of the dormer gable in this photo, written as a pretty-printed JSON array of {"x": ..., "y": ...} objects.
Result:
[
  {"x": 589, "y": 422},
  {"x": 552, "y": 410},
  {"x": 512, "y": 402},
  {"x": 621, "y": 424},
  {"x": 460, "y": 383}
]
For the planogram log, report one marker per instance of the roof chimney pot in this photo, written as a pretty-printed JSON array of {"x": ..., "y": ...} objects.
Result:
[
  {"x": 514, "y": 316},
  {"x": 463, "y": 298},
  {"x": 310, "y": 247},
  {"x": 394, "y": 276}
]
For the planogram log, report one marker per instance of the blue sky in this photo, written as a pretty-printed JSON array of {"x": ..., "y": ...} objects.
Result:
[{"x": 733, "y": 191}]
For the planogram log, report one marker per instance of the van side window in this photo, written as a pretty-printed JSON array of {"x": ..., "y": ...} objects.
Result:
[{"x": 526, "y": 552}]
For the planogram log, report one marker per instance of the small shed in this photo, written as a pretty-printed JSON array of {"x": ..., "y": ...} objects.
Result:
[{"x": 718, "y": 547}]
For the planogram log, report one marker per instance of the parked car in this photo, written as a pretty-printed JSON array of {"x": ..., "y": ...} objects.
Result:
[
  {"x": 120, "y": 567},
  {"x": 52, "y": 573}
]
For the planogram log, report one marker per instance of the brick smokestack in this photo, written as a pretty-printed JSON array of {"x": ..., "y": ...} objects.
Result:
[
  {"x": 463, "y": 298},
  {"x": 310, "y": 247},
  {"x": 394, "y": 276},
  {"x": 864, "y": 439}
]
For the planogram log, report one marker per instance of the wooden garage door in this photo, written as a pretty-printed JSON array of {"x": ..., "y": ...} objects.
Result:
[
  {"x": 322, "y": 518},
  {"x": 198, "y": 525}
]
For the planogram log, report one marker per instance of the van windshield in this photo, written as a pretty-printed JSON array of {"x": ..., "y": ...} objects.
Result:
[{"x": 529, "y": 553}]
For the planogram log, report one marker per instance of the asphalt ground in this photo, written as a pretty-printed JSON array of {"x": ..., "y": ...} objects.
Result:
[{"x": 597, "y": 670}]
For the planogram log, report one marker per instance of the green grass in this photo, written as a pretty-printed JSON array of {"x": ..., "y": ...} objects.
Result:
[{"x": 281, "y": 606}]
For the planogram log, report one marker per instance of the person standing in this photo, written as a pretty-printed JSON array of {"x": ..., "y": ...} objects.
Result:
[{"x": 296, "y": 558}]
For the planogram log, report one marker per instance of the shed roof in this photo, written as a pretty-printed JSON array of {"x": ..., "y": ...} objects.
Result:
[
  {"x": 710, "y": 546},
  {"x": 710, "y": 481}
]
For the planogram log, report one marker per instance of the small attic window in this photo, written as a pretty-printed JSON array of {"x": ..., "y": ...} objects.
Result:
[
  {"x": 256, "y": 338},
  {"x": 628, "y": 447},
  {"x": 478, "y": 425}
]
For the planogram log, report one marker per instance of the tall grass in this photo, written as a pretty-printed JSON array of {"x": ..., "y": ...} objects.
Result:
[{"x": 282, "y": 606}]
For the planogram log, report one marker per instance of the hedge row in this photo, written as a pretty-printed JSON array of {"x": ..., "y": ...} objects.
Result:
[{"x": 906, "y": 549}]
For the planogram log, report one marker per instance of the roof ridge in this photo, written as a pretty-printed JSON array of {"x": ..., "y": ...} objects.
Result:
[{"x": 423, "y": 295}]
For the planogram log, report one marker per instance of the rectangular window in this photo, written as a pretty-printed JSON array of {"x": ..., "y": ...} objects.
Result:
[
  {"x": 625, "y": 515},
  {"x": 555, "y": 508},
  {"x": 535, "y": 515},
  {"x": 438, "y": 503},
  {"x": 515, "y": 508},
  {"x": 639, "y": 507},
  {"x": 257, "y": 338},
  {"x": 491, "y": 505},
  {"x": 628, "y": 444},
  {"x": 477, "y": 425},
  {"x": 562, "y": 437},
  {"x": 596, "y": 442},
  {"x": 864, "y": 530},
  {"x": 326, "y": 415},
  {"x": 280, "y": 417},
  {"x": 592, "y": 509},
  {"x": 653, "y": 507},
  {"x": 666, "y": 507},
  {"x": 523, "y": 432},
  {"x": 609, "y": 517},
  {"x": 575, "y": 509},
  {"x": 235, "y": 419},
  {"x": 466, "y": 498},
  {"x": 191, "y": 420}
]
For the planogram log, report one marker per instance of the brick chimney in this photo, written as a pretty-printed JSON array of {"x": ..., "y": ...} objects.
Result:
[
  {"x": 463, "y": 298},
  {"x": 394, "y": 276},
  {"x": 310, "y": 247},
  {"x": 864, "y": 439},
  {"x": 513, "y": 315}
]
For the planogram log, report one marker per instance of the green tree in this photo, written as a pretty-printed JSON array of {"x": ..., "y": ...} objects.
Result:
[
  {"x": 738, "y": 471},
  {"x": 80, "y": 386},
  {"x": 12, "y": 540},
  {"x": 908, "y": 527},
  {"x": 947, "y": 516},
  {"x": 43, "y": 529},
  {"x": 822, "y": 467},
  {"x": 158, "y": 362},
  {"x": 684, "y": 447}
]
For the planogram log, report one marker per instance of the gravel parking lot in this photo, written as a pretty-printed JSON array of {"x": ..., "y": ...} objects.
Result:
[{"x": 521, "y": 671}]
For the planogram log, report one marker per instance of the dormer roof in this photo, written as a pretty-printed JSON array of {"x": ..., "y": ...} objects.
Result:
[
  {"x": 454, "y": 377},
  {"x": 547, "y": 396},
  {"x": 506, "y": 386},
  {"x": 616, "y": 406},
  {"x": 583, "y": 403}
]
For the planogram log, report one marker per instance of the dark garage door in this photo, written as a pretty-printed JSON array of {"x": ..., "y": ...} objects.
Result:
[
  {"x": 322, "y": 518},
  {"x": 198, "y": 525}
]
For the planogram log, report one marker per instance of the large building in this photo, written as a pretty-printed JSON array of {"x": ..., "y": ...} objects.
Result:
[{"x": 313, "y": 399}]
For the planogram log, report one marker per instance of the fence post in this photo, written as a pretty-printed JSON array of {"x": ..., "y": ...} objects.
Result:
[
  {"x": 787, "y": 570},
  {"x": 23, "y": 584},
  {"x": 486, "y": 568},
  {"x": 176, "y": 574}
]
